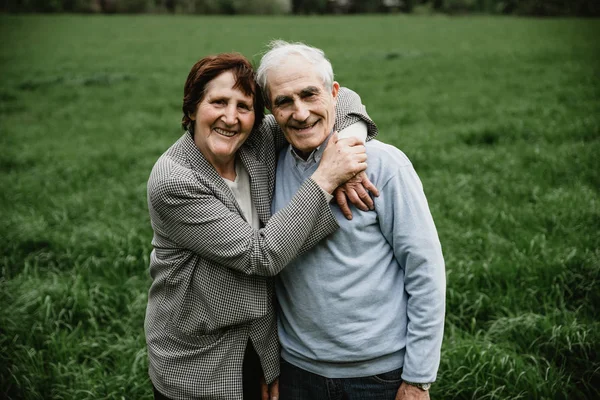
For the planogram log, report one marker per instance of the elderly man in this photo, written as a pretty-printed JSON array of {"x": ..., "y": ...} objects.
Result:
[{"x": 361, "y": 314}]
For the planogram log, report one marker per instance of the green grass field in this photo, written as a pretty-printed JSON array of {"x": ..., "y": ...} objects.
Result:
[{"x": 500, "y": 116}]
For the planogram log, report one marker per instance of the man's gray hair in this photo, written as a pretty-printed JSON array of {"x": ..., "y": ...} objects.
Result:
[{"x": 280, "y": 50}]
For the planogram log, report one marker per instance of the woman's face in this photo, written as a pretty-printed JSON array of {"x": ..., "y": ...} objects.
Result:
[{"x": 223, "y": 120}]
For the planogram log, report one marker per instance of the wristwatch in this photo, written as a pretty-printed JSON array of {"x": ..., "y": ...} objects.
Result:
[{"x": 422, "y": 386}]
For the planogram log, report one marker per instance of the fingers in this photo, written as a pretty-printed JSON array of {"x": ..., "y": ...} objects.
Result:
[
  {"x": 350, "y": 141},
  {"x": 360, "y": 157},
  {"x": 339, "y": 163},
  {"x": 360, "y": 167},
  {"x": 356, "y": 200},
  {"x": 264, "y": 389},
  {"x": 356, "y": 191},
  {"x": 356, "y": 156},
  {"x": 358, "y": 149},
  {"x": 274, "y": 389},
  {"x": 355, "y": 145},
  {"x": 367, "y": 185},
  {"x": 366, "y": 200},
  {"x": 340, "y": 198}
]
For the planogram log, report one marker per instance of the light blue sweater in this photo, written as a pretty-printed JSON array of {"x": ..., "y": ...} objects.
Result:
[{"x": 370, "y": 298}]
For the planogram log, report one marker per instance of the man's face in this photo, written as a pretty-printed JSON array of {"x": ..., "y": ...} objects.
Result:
[{"x": 301, "y": 105}]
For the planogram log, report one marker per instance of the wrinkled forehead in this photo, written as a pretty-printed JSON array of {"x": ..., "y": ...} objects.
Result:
[{"x": 293, "y": 73}]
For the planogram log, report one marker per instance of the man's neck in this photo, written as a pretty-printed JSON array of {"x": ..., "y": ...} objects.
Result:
[
  {"x": 306, "y": 154},
  {"x": 303, "y": 154}
]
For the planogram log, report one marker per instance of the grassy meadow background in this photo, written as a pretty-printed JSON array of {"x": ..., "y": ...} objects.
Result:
[{"x": 500, "y": 116}]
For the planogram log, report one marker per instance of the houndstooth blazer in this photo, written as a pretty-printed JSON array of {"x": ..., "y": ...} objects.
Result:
[{"x": 212, "y": 288}]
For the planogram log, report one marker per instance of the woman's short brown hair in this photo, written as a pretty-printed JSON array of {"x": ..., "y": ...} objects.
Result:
[{"x": 209, "y": 68}]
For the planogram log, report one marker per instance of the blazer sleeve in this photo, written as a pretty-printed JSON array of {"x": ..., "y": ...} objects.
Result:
[
  {"x": 348, "y": 111},
  {"x": 190, "y": 216}
]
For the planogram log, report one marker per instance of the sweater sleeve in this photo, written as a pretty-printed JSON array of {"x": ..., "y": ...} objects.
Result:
[{"x": 408, "y": 226}]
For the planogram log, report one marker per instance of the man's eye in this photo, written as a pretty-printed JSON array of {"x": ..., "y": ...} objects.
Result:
[
  {"x": 220, "y": 102},
  {"x": 244, "y": 106}
]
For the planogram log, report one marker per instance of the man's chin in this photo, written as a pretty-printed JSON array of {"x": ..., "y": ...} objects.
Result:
[{"x": 305, "y": 145}]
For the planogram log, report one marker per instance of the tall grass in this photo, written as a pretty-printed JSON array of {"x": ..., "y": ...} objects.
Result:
[{"x": 501, "y": 117}]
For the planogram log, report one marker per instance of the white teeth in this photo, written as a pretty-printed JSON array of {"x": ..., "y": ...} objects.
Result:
[{"x": 224, "y": 132}]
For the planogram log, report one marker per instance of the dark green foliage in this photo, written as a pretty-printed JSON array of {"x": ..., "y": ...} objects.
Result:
[
  {"x": 543, "y": 8},
  {"x": 309, "y": 6},
  {"x": 585, "y": 8},
  {"x": 500, "y": 116},
  {"x": 230, "y": 7},
  {"x": 50, "y": 6},
  {"x": 547, "y": 8},
  {"x": 227, "y": 7}
]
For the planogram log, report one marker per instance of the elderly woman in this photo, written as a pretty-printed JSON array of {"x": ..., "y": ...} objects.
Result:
[{"x": 210, "y": 322}]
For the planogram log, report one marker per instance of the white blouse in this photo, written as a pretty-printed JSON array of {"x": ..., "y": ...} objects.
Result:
[{"x": 240, "y": 188}]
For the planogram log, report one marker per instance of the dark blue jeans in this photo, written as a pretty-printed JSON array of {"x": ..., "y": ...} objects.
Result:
[{"x": 298, "y": 384}]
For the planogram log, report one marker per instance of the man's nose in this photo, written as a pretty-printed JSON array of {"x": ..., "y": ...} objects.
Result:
[
  {"x": 230, "y": 115},
  {"x": 301, "y": 112}
]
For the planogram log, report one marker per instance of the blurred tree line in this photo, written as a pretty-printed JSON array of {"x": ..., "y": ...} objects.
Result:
[
  {"x": 149, "y": 6},
  {"x": 516, "y": 7}
]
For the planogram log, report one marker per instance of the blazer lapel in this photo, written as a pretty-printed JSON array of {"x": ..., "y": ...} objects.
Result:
[
  {"x": 258, "y": 180},
  {"x": 210, "y": 176}
]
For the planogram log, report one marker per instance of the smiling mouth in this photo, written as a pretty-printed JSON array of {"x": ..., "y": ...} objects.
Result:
[
  {"x": 304, "y": 128},
  {"x": 224, "y": 132}
]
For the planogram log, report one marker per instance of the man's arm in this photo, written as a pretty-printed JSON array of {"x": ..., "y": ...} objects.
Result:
[{"x": 408, "y": 226}]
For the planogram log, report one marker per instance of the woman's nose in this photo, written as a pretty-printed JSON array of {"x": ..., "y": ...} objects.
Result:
[{"x": 230, "y": 115}]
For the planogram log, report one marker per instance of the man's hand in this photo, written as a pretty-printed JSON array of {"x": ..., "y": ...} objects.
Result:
[
  {"x": 269, "y": 392},
  {"x": 342, "y": 159},
  {"x": 410, "y": 392},
  {"x": 357, "y": 191}
]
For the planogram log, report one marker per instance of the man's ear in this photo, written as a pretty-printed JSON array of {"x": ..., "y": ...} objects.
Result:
[{"x": 335, "y": 88}]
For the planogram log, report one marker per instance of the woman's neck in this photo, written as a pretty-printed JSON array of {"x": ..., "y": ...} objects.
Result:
[
  {"x": 226, "y": 170},
  {"x": 225, "y": 166}
]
